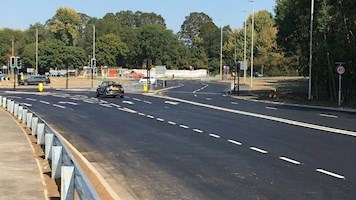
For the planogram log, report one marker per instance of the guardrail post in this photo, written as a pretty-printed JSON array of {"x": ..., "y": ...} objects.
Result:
[
  {"x": 4, "y": 102},
  {"x": 34, "y": 125},
  {"x": 12, "y": 107},
  {"x": 29, "y": 119},
  {"x": 19, "y": 114},
  {"x": 8, "y": 104},
  {"x": 48, "y": 146},
  {"x": 40, "y": 133},
  {"x": 0, "y": 100},
  {"x": 67, "y": 183},
  {"x": 16, "y": 109},
  {"x": 56, "y": 161},
  {"x": 24, "y": 116}
]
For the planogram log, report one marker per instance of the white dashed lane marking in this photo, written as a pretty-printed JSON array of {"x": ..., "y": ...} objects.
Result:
[
  {"x": 106, "y": 105},
  {"x": 271, "y": 108},
  {"x": 172, "y": 123},
  {"x": 30, "y": 99},
  {"x": 117, "y": 106},
  {"x": 148, "y": 102},
  {"x": 234, "y": 142},
  {"x": 235, "y": 103},
  {"x": 141, "y": 114},
  {"x": 59, "y": 106},
  {"x": 184, "y": 126},
  {"x": 150, "y": 116},
  {"x": 326, "y": 115},
  {"x": 258, "y": 150},
  {"x": 136, "y": 99},
  {"x": 209, "y": 99},
  {"x": 214, "y": 135},
  {"x": 198, "y": 130},
  {"x": 289, "y": 160},
  {"x": 330, "y": 173},
  {"x": 45, "y": 102},
  {"x": 160, "y": 119}
]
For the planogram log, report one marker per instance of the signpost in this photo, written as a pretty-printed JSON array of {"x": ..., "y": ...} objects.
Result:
[{"x": 340, "y": 70}]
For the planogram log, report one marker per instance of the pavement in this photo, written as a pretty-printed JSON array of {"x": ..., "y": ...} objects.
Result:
[{"x": 20, "y": 176}]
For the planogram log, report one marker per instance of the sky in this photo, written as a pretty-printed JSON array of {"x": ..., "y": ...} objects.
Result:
[{"x": 19, "y": 14}]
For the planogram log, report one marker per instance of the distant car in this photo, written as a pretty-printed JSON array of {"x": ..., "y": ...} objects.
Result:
[
  {"x": 257, "y": 75},
  {"x": 110, "y": 89},
  {"x": 35, "y": 80},
  {"x": 0, "y": 74},
  {"x": 144, "y": 80}
]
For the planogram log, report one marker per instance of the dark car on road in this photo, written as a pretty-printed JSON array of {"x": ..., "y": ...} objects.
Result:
[
  {"x": 110, "y": 89},
  {"x": 35, "y": 80}
]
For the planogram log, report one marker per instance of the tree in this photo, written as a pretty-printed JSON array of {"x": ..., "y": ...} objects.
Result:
[
  {"x": 110, "y": 50},
  {"x": 66, "y": 24}
]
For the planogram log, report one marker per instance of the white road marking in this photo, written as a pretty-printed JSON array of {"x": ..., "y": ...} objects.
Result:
[
  {"x": 126, "y": 97},
  {"x": 271, "y": 108},
  {"x": 86, "y": 101},
  {"x": 150, "y": 116},
  {"x": 290, "y": 160},
  {"x": 128, "y": 102},
  {"x": 183, "y": 126},
  {"x": 117, "y": 106},
  {"x": 27, "y": 104},
  {"x": 141, "y": 114},
  {"x": 102, "y": 101},
  {"x": 196, "y": 95},
  {"x": 234, "y": 142},
  {"x": 68, "y": 102},
  {"x": 276, "y": 119},
  {"x": 209, "y": 99},
  {"x": 214, "y": 135},
  {"x": 14, "y": 97},
  {"x": 136, "y": 99},
  {"x": 326, "y": 115},
  {"x": 58, "y": 106},
  {"x": 45, "y": 102},
  {"x": 198, "y": 131},
  {"x": 224, "y": 95},
  {"x": 148, "y": 102},
  {"x": 160, "y": 119},
  {"x": 235, "y": 103},
  {"x": 127, "y": 110},
  {"x": 172, "y": 123},
  {"x": 258, "y": 150},
  {"x": 171, "y": 102},
  {"x": 106, "y": 105},
  {"x": 58, "y": 95},
  {"x": 30, "y": 99},
  {"x": 330, "y": 173}
]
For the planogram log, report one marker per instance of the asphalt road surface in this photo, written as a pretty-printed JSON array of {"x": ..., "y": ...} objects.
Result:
[{"x": 195, "y": 141}]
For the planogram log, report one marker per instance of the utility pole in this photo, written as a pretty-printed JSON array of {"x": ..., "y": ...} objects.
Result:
[
  {"x": 221, "y": 39},
  {"x": 252, "y": 30},
  {"x": 245, "y": 64},
  {"x": 93, "y": 61}
]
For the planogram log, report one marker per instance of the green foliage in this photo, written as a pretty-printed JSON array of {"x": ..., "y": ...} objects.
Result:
[{"x": 110, "y": 50}]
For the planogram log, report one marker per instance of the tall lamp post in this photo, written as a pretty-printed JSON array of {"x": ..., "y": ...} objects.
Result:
[
  {"x": 221, "y": 39},
  {"x": 311, "y": 47},
  {"x": 36, "y": 71},
  {"x": 245, "y": 64},
  {"x": 252, "y": 29}
]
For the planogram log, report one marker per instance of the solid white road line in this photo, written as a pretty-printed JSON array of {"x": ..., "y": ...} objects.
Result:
[
  {"x": 136, "y": 99},
  {"x": 45, "y": 102},
  {"x": 30, "y": 99},
  {"x": 172, "y": 123},
  {"x": 184, "y": 126},
  {"x": 58, "y": 106},
  {"x": 214, "y": 135},
  {"x": 235, "y": 103},
  {"x": 148, "y": 102},
  {"x": 234, "y": 142},
  {"x": 150, "y": 116},
  {"x": 14, "y": 97},
  {"x": 271, "y": 108},
  {"x": 276, "y": 119},
  {"x": 198, "y": 131},
  {"x": 326, "y": 115},
  {"x": 289, "y": 160},
  {"x": 258, "y": 150},
  {"x": 160, "y": 119},
  {"x": 330, "y": 173}
]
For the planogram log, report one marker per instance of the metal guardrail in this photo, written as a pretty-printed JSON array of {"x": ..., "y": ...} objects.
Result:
[{"x": 63, "y": 163}]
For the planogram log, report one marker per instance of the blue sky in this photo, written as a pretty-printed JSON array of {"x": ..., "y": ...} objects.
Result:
[{"x": 19, "y": 14}]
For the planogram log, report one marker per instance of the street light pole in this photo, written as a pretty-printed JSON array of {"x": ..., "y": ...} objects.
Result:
[
  {"x": 92, "y": 67},
  {"x": 252, "y": 30},
  {"x": 311, "y": 48},
  {"x": 221, "y": 39},
  {"x": 245, "y": 64},
  {"x": 36, "y": 71}
]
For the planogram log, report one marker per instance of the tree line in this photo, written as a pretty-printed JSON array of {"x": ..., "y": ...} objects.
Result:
[{"x": 127, "y": 39}]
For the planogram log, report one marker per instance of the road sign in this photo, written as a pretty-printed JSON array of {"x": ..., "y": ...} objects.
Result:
[{"x": 340, "y": 69}]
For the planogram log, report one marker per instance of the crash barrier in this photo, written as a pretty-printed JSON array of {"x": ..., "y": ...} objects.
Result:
[
  {"x": 63, "y": 163},
  {"x": 4, "y": 79}
]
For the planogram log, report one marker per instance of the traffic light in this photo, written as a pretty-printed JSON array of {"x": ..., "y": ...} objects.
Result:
[
  {"x": 12, "y": 61},
  {"x": 18, "y": 62},
  {"x": 238, "y": 66},
  {"x": 93, "y": 63},
  {"x": 148, "y": 64}
]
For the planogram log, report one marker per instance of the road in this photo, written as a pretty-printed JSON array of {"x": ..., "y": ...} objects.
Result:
[{"x": 194, "y": 141}]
